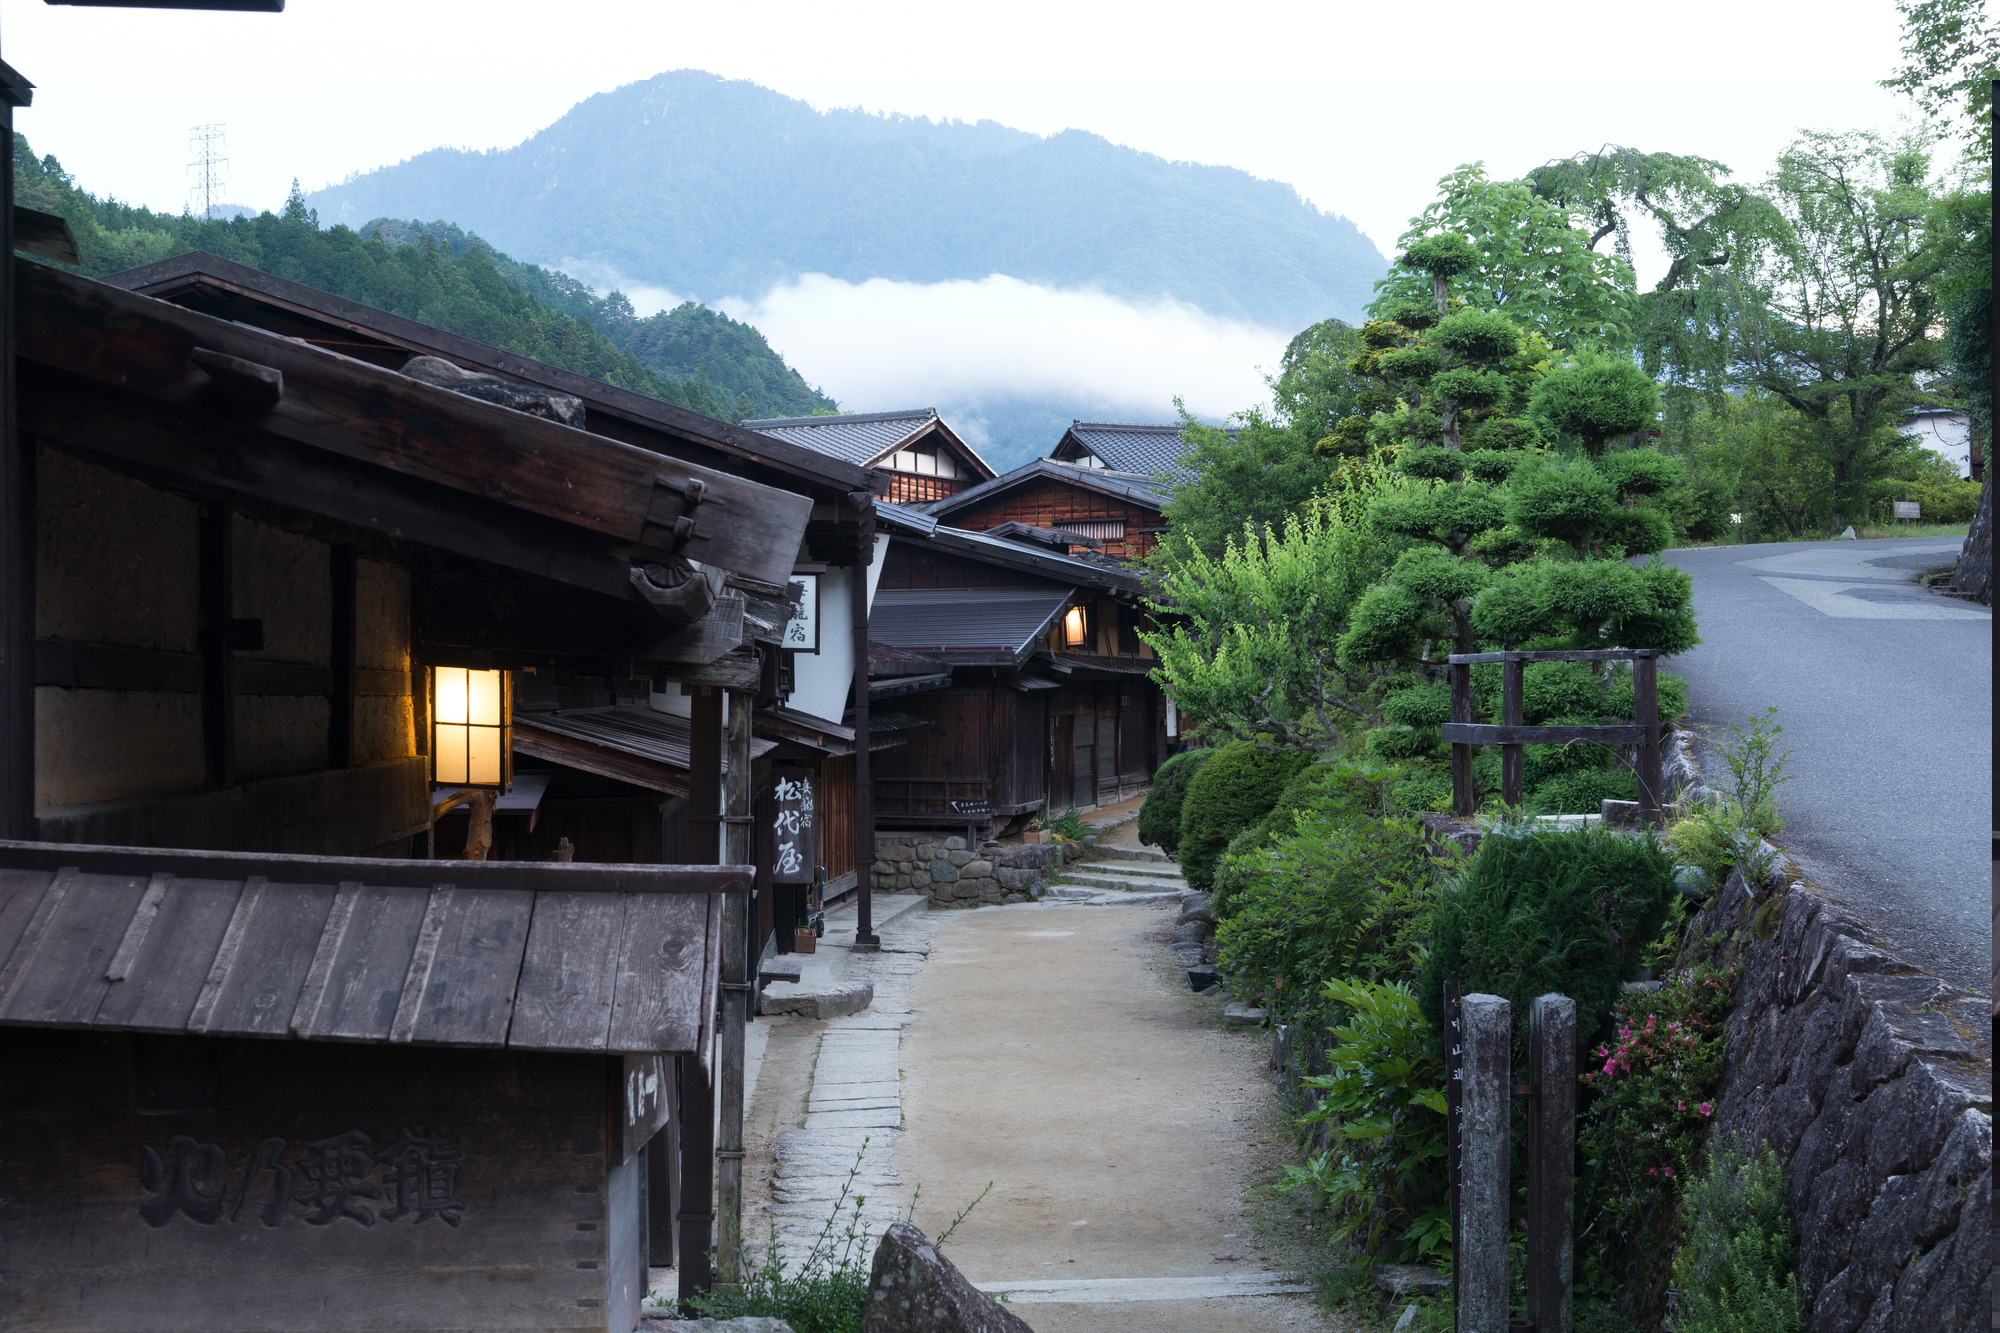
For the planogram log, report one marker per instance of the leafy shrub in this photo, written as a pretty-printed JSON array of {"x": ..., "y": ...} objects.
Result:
[
  {"x": 1646, "y": 1112},
  {"x": 1422, "y": 793},
  {"x": 828, "y": 1293},
  {"x": 1337, "y": 898},
  {"x": 1332, "y": 789},
  {"x": 1383, "y": 1107},
  {"x": 1394, "y": 742},
  {"x": 1537, "y": 910},
  {"x": 1734, "y": 1271},
  {"x": 1160, "y": 816},
  {"x": 1583, "y": 791},
  {"x": 1718, "y": 837},
  {"x": 1237, "y": 785},
  {"x": 1756, "y": 768},
  {"x": 1069, "y": 826}
]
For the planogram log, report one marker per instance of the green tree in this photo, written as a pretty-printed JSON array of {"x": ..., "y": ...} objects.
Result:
[
  {"x": 1951, "y": 54},
  {"x": 1535, "y": 262},
  {"x": 1840, "y": 311},
  {"x": 1246, "y": 639}
]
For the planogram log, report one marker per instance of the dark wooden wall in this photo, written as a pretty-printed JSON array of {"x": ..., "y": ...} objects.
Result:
[
  {"x": 1104, "y": 741},
  {"x": 985, "y": 742},
  {"x": 836, "y": 824},
  {"x": 1046, "y": 504},
  {"x": 238, "y": 1222}
]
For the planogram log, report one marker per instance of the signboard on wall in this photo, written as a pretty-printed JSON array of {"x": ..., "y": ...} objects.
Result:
[
  {"x": 802, "y": 630},
  {"x": 794, "y": 826}
]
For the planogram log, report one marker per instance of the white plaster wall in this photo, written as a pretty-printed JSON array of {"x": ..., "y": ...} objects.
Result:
[
  {"x": 1950, "y": 435},
  {"x": 823, "y": 680}
]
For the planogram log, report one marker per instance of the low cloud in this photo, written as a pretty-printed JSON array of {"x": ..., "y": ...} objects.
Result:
[{"x": 879, "y": 345}]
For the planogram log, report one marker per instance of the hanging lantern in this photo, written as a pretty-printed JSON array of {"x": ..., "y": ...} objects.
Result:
[
  {"x": 472, "y": 728},
  {"x": 1075, "y": 628}
]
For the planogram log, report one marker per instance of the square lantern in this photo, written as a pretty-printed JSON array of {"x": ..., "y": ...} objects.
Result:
[
  {"x": 1076, "y": 628},
  {"x": 472, "y": 728}
]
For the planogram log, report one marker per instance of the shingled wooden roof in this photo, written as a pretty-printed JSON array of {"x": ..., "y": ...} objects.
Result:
[{"x": 524, "y": 955}]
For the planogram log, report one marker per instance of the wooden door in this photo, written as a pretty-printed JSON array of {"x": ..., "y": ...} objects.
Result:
[
  {"x": 1107, "y": 751},
  {"x": 1083, "y": 786}
]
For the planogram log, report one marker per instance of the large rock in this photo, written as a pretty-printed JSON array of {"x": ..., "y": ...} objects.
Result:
[
  {"x": 527, "y": 398},
  {"x": 1974, "y": 576},
  {"x": 829, "y": 1000},
  {"x": 914, "y": 1289}
]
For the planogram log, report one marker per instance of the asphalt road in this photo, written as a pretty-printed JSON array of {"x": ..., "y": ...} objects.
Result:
[{"x": 1885, "y": 692}]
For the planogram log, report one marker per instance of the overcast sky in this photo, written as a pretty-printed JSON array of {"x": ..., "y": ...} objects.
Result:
[{"x": 1361, "y": 108}]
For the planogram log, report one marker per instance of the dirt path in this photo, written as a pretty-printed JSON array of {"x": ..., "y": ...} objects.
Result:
[{"x": 1056, "y": 1051}]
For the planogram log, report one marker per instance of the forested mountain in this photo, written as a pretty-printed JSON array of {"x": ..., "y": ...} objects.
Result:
[
  {"x": 715, "y": 188},
  {"x": 438, "y": 274}
]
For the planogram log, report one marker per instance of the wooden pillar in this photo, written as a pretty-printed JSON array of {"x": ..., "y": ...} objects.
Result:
[
  {"x": 1551, "y": 1161},
  {"x": 1479, "y": 1227},
  {"x": 1513, "y": 672},
  {"x": 17, "y": 531},
  {"x": 705, "y": 776},
  {"x": 1646, "y": 698},
  {"x": 1464, "y": 800},
  {"x": 736, "y": 991},
  {"x": 697, "y": 1125},
  {"x": 864, "y": 792},
  {"x": 218, "y": 641},
  {"x": 663, "y": 1179}
]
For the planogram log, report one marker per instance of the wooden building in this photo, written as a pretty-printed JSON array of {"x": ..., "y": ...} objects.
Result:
[
  {"x": 620, "y": 793},
  {"x": 1133, "y": 448},
  {"x": 1115, "y": 513},
  {"x": 1049, "y": 706},
  {"x": 245, "y": 533},
  {"x": 924, "y": 459}
]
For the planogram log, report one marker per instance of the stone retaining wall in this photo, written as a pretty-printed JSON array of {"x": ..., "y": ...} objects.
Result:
[
  {"x": 956, "y": 875},
  {"x": 1872, "y": 1082}
]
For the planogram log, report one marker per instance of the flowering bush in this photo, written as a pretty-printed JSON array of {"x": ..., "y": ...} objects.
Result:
[{"x": 1648, "y": 1099}]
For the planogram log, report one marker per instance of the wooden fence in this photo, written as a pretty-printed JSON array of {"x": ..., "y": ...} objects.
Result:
[{"x": 1462, "y": 733}]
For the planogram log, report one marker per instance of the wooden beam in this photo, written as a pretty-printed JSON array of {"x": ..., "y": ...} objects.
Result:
[
  {"x": 1463, "y": 733},
  {"x": 538, "y": 876},
  {"x": 1595, "y": 655},
  {"x": 217, "y": 601},
  {"x": 340, "y": 691},
  {"x": 222, "y": 458},
  {"x": 657, "y": 506}
]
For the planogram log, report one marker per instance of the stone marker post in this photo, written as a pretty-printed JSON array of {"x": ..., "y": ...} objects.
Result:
[
  {"x": 1551, "y": 1161},
  {"x": 1479, "y": 1227}
]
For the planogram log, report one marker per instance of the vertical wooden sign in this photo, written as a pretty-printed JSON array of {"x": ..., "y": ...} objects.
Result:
[
  {"x": 1454, "y": 1087},
  {"x": 794, "y": 826}
]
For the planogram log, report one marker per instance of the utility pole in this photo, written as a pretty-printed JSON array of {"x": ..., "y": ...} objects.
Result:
[{"x": 204, "y": 140}]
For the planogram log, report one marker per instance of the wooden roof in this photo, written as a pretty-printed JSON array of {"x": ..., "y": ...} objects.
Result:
[
  {"x": 235, "y": 291},
  {"x": 216, "y": 407},
  {"x": 1144, "y": 492},
  {"x": 967, "y": 626},
  {"x": 528, "y": 956},
  {"x": 635, "y": 745}
]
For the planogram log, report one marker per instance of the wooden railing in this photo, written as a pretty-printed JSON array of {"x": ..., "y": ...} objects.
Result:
[{"x": 1462, "y": 733}]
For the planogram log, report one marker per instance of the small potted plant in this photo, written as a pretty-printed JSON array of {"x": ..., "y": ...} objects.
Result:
[{"x": 1035, "y": 834}]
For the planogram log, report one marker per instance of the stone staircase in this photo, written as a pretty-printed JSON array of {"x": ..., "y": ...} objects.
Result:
[{"x": 1119, "y": 875}]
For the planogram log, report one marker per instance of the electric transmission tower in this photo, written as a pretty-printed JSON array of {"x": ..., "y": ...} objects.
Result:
[{"x": 204, "y": 140}]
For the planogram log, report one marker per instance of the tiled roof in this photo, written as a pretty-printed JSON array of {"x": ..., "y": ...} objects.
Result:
[
  {"x": 1147, "y": 450},
  {"x": 957, "y": 623},
  {"x": 855, "y": 437}
]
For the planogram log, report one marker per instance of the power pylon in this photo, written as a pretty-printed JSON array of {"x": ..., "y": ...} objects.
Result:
[{"x": 205, "y": 140}]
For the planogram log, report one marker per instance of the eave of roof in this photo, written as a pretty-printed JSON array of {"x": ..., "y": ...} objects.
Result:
[
  {"x": 968, "y": 626},
  {"x": 1046, "y": 564},
  {"x": 847, "y": 435},
  {"x": 182, "y": 273}
]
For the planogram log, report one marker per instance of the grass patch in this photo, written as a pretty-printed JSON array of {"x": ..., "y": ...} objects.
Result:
[{"x": 1864, "y": 532}]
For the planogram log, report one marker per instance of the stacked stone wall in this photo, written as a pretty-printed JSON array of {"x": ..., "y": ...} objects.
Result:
[
  {"x": 957, "y": 875},
  {"x": 1872, "y": 1082}
]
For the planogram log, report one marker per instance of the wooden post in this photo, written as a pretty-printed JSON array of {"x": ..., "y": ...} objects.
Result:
[
  {"x": 218, "y": 665},
  {"x": 1551, "y": 1161},
  {"x": 340, "y": 691},
  {"x": 662, "y": 1189},
  {"x": 697, "y": 1178},
  {"x": 1646, "y": 697},
  {"x": 1454, "y": 1083},
  {"x": 1513, "y": 673},
  {"x": 864, "y": 792},
  {"x": 1479, "y": 1224},
  {"x": 736, "y": 988},
  {"x": 1464, "y": 800}
]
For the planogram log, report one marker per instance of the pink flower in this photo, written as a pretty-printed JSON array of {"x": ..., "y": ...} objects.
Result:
[
  {"x": 1669, "y": 1171},
  {"x": 1680, "y": 1106},
  {"x": 1707, "y": 1109}
]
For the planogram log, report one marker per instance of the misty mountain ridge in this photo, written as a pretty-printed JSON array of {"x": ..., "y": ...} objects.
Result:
[{"x": 721, "y": 189}]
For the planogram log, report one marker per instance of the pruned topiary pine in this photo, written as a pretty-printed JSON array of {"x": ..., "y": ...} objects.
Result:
[{"x": 1514, "y": 478}]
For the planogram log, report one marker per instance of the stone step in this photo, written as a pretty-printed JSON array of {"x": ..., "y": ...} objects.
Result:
[
  {"x": 1134, "y": 854},
  {"x": 1141, "y": 869},
  {"x": 1095, "y": 881}
]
